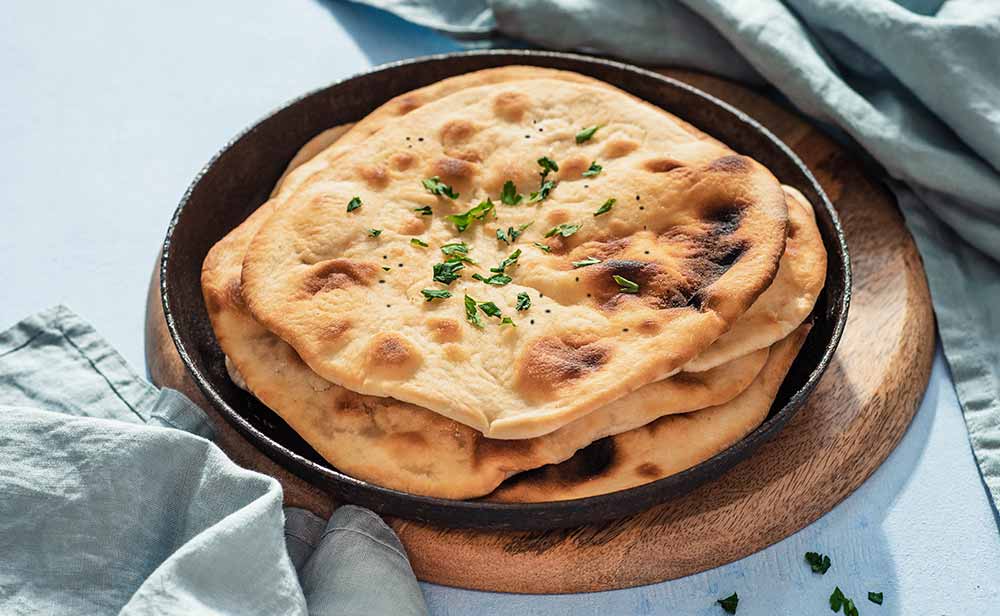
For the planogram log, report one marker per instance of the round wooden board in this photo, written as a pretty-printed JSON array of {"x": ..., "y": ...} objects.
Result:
[{"x": 856, "y": 416}]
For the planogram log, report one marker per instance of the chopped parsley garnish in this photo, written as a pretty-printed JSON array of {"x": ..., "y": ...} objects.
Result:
[
  {"x": 471, "y": 315},
  {"x": 447, "y": 272},
  {"x": 497, "y": 280},
  {"x": 875, "y": 597},
  {"x": 565, "y": 230},
  {"x": 604, "y": 209},
  {"x": 509, "y": 195},
  {"x": 625, "y": 285},
  {"x": 838, "y": 600},
  {"x": 435, "y": 186},
  {"x": 353, "y": 204},
  {"x": 374, "y": 232},
  {"x": 511, "y": 260},
  {"x": 490, "y": 309},
  {"x": 462, "y": 221},
  {"x": 542, "y": 247},
  {"x": 729, "y": 603},
  {"x": 507, "y": 321},
  {"x": 512, "y": 234},
  {"x": 543, "y": 192},
  {"x": 586, "y": 134},
  {"x": 457, "y": 251},
  {"x": 593, "y": 170},
  {"x": 416, "y": 241},
  {"x": 586, "y": 262},
  {"x": 523, "y": 302},
  {"x": 424, "y": 211},
  {"x": 819, "y": 563},
  {"x": 547, "y": 165},
  {"x": 432, "y": 294}
]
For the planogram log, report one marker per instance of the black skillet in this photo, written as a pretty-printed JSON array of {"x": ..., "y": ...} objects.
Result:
[{"x": 238, "y": 179}]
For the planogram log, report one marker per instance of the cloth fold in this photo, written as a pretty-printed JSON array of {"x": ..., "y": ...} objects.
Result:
[
  {"x": 115, "y": 500},
  {"x": 915, "y": 83}
]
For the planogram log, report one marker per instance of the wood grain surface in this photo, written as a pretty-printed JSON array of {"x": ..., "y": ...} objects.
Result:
[{"x": 851, "y": 423}]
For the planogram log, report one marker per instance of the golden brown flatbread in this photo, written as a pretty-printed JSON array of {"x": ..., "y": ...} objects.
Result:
[
  {"x": 664, "y": 447},
  {"x": 701, "y": 242},
  {"x": 403, "y": 446}
]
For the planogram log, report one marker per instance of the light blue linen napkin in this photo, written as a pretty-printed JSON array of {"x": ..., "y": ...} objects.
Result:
[
  {"x": 915, "y": 82},
  {"x": 114, "y": 499}
]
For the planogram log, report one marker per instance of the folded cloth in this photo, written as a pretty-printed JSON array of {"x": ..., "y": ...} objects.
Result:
[
  {"x": 114, "y": 499},
  {"x": 915, "y": 82}
]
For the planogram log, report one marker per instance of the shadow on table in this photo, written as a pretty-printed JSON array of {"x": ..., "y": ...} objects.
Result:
[{"x": 383, "y": 37}]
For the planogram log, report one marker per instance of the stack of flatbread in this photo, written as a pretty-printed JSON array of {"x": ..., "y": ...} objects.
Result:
[{"x": 488, "y": 275}]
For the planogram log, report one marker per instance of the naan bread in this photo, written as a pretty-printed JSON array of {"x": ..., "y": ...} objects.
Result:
[
  {"x": 702, "y": 241},
  {"x": 403, "y": 446},
  {"x": 787, "y": 302},
  {"x": 664, "y": 447}
]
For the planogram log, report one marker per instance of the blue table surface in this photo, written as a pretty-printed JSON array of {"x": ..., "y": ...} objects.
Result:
[{"x": 109, "y": 109}]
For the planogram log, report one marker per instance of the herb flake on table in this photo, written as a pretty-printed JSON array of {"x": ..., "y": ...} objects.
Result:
[
  {"x": 838, "y": 601},
  {"x": 479, "y": 212},
  {"x": 586, "y": 262},
  {"x": 432, "y": 294},
  {"x": 875, "y": 597},
  {"x": 604, "y": 209},
  {"x": 586, "y": 134},
  {"x": 424, "y": 211},
  {"x": 523, "y": 302},
  {"x": 416, "y": 241},
  {"x": 565, "y": 230},
  {"x": 819, "y": 563},
  {"x": 729, "y": 603},
  {"x": 593, "y": 170},
  {"x": 354, "y": 204},
  {"x": 447, "y": 272},
  {"x": 625, "y": 285},
  {"x": 509, "y": 194},
  {"x": 471, "y": 314},
  {"x": 435, "y": 186}
]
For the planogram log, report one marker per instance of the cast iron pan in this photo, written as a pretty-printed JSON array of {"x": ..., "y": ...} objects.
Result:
[{"x": 238, "y": 179}]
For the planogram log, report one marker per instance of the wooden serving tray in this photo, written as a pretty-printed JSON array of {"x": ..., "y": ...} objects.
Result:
[{"x": 850, "y": 424}]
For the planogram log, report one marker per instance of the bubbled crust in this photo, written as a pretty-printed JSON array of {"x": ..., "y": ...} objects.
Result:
[
  {"x": 661, "y": 448},
  {"x": 702, "y": 239},
  {"x": 400, "y": 445}
]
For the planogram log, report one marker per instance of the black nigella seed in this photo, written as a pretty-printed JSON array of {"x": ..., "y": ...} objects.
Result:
[
  {"x": 532, "y": 321},
  {"x": 624, "y": 329},
  {"x": 385, "y": 256},
  {"x": 547, "y": 310},
  {"x": 420, "y": 138},
  {"x": 381, "y": 282},
  {"x": 637, "y": 197},
  {"x": 578, "y": 279},
  {"x": 641, "y": 207}
]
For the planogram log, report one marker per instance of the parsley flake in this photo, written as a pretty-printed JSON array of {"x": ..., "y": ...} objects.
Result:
[
  {"x": 354, "y": 204},
  {"x": 470, "y": 312},
  {"x": 837, "y": 599},
  {"x": 543, "y": 192},
  {"x": 586, "y": 262},
  {"x": 507, "y": 321},
  {"x": 497, "y": 280},
  {"x": 457, "y": 251},
  {"x": 625, "y": 285},
  {"x": 432, "y": 294},
  {"x": 490, "y": 309},
  {"x": 509, "y": 195},
  {"x": 586, "y": 133},
  {"x": 729, "y": 603},
  {"x": 435, "y": 186},
  {"x": 512, "y": 234},
  {"x": 416, "y": 241},
  {"x": 523, "y": 302},
  {"x": 424, "y": 211},
  {"x": 564, "y": 230},
  {"x": 374, "y": 232},
  {"x": 542, "y": 247},
  {"x": 819, "y": 563},
  {"x": 604, "y": 209},
  {"x": 593, "y": 170},
  {"x": 480, "y": 212},
  {"x": 511, "y": 260},
  {"x": 875, "y": 597},
  {"x": 547, "y": 165},
  {"x": 447, "y": 272}
]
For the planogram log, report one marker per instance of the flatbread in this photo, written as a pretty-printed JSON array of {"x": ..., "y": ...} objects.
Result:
[
  {"x": 712, "y": 222},
  {"x": 403, "y": 446},
  {"x": 787, "y": 302},
  {"x": 664, "y": 447}
]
